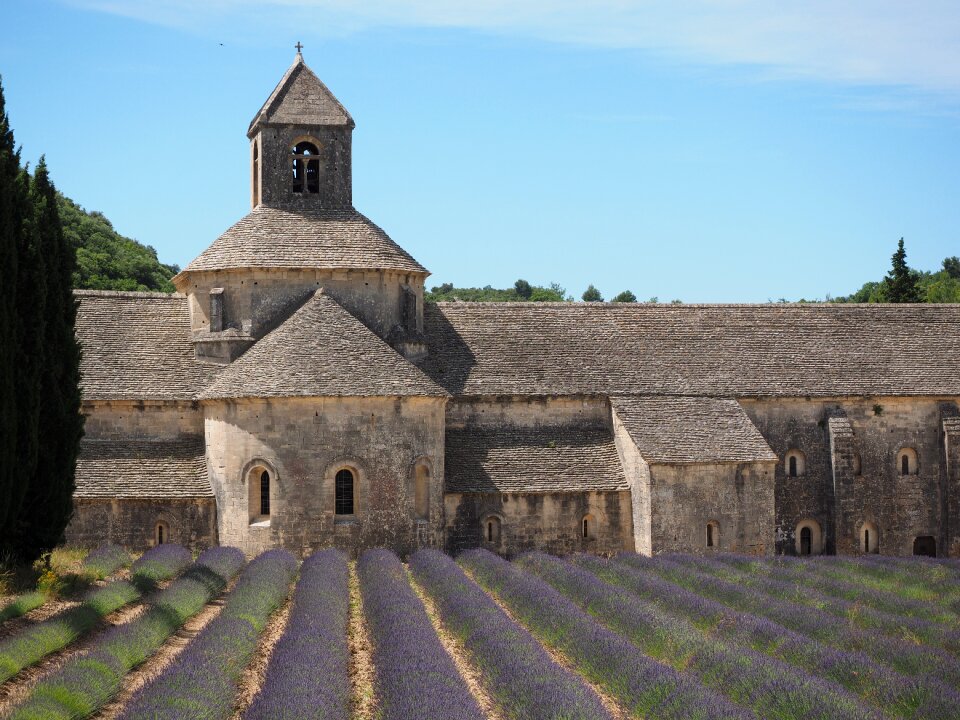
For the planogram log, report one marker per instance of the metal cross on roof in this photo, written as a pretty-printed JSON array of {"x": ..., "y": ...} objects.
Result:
[{"x": 299, "y": 47}]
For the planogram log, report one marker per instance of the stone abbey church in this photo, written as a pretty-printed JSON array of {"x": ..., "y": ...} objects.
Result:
[{"x": 298, "y": 392}]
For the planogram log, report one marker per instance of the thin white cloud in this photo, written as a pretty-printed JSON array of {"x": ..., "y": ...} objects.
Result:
[{"x": 912, "y": 45}]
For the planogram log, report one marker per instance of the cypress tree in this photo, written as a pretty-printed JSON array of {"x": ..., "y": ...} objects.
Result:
[
  {"x": 48, "y": 504},
  {"x": 13, "y": 206},
  {"x": 901, "y": 282}
]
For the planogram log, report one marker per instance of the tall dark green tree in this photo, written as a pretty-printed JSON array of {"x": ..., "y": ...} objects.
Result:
[
  {"x": 48, "y": 502},
  {"x": 901, "y": 281},
  {"x": 591, "y": 294}
]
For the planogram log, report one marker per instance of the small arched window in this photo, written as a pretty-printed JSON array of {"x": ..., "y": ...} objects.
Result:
[
  {"x": 713, "y": 534},
  {"x": 857, "y": 465},
  {"x": 256, "y": 173},
  {"x": 795, "y": 463},
  {"x": 869, "y": 538},
  {"x": 306, "y": 168},
  {"x": 343, "y": 489},
  {"x": 260, "y": 481},
  {"x": 161, "y": 533},
  {"x": 491, "y": 529},
  {"x": 422, "y": 492},
  {"x": 588, "y": 527},
  {"x": 907, "y": 461},
  {"x": 264, "y": 493}
]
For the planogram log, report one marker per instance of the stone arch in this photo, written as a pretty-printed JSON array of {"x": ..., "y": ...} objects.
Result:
[
  {"x": 164, "y": 529},
  {"x": 712, "y": 535},
  {"x": 346, "y": 496},
  {"x": 261, "y": 481},
  {"x": 491, "y": 528},
  {"x": 588, "y": 527},
  {"x": 869, "y": 538},
  {"x": 808, "y": 538},
  {"x": 908, "y": 462},
  {"x": 305, "y": 151},
  {"x": 795, "y": 463},
  {"x": 422, "y": 477}
]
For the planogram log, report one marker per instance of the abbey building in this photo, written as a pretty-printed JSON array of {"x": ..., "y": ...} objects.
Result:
[{"x": 297, "y": 391}]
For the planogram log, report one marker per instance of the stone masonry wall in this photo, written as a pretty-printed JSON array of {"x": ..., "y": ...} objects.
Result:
[
  {"x": 638, "y": 477},
  {"x": 589, "y": 411},
  {"x": 903, "y": 507},
  {"x": 133, "y": 523},
  {"x": 276, "y": 166},
  {"x": 303, "y": 443},
  {"x": 737, "y": 496},
  {"x": 119, "y": 420},
  {"x": 551, "y": 522}
]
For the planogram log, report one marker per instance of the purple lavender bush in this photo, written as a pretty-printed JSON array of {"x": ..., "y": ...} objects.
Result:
[
  {"x": 876, "y": 683},
  {"x": 764, "y": 684},
  {"x": 159, "y": 563},
  {"x": 202, "y": 684},
  {"x": 86, "y": 683},
  {"x": 105, "y": 561},
  {"x": 517, "y": 671},
  {"x": 647, "y": 688},
  {"x": 308, "y": 677},
  {"x": 415, "y": 677}
]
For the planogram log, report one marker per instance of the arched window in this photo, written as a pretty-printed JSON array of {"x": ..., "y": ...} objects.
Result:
[
  {"x": 343, "y": 489},
  {"x": 161, "y": 533},
  {"x": 422, "y": 491},
  {"x": 869, "y": 538},
  {"x": 795, "y": 463},
  {"x": 808, "y": 538},
  {"x": 588, "y": 527},
  {"x": 713, "y": 534},
  {"x": 491, "y": 529},
  {"x": 907, "y": 461},
  {"x": 857, "y": 465},
  {"x": 260, "y": 482},
  {"x": 306, "y": 168},
  {"x": 925, "y": 545},
  {"x": 264, "y": 493}
]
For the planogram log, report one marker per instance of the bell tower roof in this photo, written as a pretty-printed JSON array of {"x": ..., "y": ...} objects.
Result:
[{"x": 300, "y": 98}]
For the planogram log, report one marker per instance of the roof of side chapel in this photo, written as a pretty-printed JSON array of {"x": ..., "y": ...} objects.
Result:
[
  {"x": 321, "y": 351},
  {"x": 301, "y": 98}
]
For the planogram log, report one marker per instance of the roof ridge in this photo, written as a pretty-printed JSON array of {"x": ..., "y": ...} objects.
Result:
[{"x": 127, "y": 294}]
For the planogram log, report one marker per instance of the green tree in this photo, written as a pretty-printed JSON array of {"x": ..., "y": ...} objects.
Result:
[
  {"x": 951, "y": 266},
  {"x": 591, "y": 294},
  {"x": 901, "y": 281},
  {"x": 625, "y": 297},
  {"x": 523, "y": 289},
  {"x": 48, "y": 502}
]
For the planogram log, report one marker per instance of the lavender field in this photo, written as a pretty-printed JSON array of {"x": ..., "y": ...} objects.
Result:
[{"x": 539, "y": 637}]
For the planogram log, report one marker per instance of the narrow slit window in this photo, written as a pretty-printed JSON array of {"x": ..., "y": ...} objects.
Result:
[
  {"x": 709, "y": 535},
  {"x": 904, "y": 464},
  {"x": 793, "y": 466},
  {"x": 265, "y": 493},
  {"x": 344, "y": 492}
]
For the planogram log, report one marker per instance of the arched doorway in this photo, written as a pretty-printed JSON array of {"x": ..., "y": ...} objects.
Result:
[
  {"x": 925, "y": 545},
  {"x": 806, "y": 540}
]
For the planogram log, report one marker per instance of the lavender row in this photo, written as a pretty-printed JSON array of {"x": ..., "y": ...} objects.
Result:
[
  {"x": 415, "y": 677},
  {"x": 835, "y": 580},
  {"x": 525, "y": 681},
  {"x": 55, "y": 633},
  {"x": 105, "y": 561},
  {"x": 308, "y": 677},
  {"x": 202, "y": 684},
  {"x": 22, "y": 604},
  {"x": 876, "y": 683},
  {"x": 159, "y": 563},
  {"x": 647, "y": 688},
  {"x": 779, "y": 578},
  {"x": 929, "y": 665},
  {"x": 764, "y": 684},
  {"x": 85, "y": 684}
]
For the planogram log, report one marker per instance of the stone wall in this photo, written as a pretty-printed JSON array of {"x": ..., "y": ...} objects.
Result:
[
  {"x": 119, "y": 420},
  {"x": 302, "y": 443},
  {"x": 587, "y": 410},
  {"x": 738, "y": 497},
  {"x": 638, "y": 477},
  {"x": 551, "y": 522},
  {"x": 133, "y": 523},
  {"x": 830, "y": 492},
  {"x": 256, "y": 301}
]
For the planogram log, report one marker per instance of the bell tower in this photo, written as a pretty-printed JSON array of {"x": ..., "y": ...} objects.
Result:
[{"x": 300, "y": 145}]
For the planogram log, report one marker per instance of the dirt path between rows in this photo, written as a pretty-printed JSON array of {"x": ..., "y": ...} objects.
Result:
[
  {"x": 363, "y": 702},
  {"x": 609, "y": 702},
  {"x": 253, "y": 676},
  {"x": 461, "y": 657}
]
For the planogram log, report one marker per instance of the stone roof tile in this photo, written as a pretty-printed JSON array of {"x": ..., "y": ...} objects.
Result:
[
  {"x": 531, "y": 459},
  {"x": 691, "y": 430},
  {"x": 774, "y": 350},
  {"x": 321, "y": 351},
  {"x": 271, "y": 237},
  {"x": 136, "y": 346},
  {"x": 142, "y": 469}
]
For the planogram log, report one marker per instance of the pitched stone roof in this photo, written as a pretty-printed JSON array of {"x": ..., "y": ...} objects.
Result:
[
  {"x": 691, "y": 429},
  {"x": 713, "y": 350},
  {"x": 136, "y": 346},
  {"x": 300, "y": 98},
  {"x": 142, "y": 469},
  {"x": 531, "y": 459},
  {"x": 271, "y": 237},
  {"x": 321, "y": 351}
]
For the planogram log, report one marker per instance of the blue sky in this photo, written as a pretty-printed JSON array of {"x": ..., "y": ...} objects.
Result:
[{"x": 707, "y": 150}]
